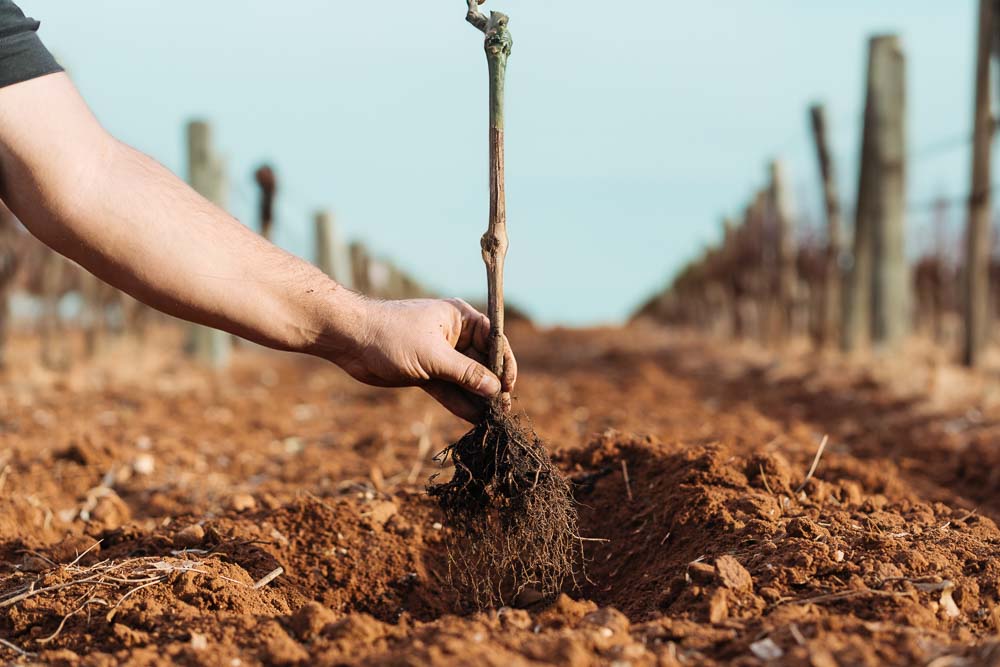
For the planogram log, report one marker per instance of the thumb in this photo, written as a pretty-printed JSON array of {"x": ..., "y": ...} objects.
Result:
[{"x": 453, "y": 366}]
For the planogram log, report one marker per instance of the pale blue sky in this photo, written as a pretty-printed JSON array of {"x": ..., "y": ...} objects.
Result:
[{"x": 631, "y": 127}]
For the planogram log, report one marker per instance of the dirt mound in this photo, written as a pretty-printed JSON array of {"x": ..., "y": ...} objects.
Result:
[
  {"x": 357, "y": 553},
  {"x": 706, "y": 542}
]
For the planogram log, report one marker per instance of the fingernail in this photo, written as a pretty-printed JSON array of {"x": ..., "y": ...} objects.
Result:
[{"x": 488, "y": 386}]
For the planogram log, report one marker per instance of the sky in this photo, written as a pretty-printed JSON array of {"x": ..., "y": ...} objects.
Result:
[{"x": 632, "y": 128}]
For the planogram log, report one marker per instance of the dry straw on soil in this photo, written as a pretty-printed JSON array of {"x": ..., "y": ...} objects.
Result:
[{"x": 106, "y": 584}]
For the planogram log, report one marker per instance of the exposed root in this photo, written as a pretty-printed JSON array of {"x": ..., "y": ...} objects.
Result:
[
  {"x": 91, "y": 599},
  {"x": 514, "y": 526},
  {"x": 16, "y": 649}
]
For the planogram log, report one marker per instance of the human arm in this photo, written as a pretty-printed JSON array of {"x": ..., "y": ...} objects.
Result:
[{"x": 135, "y": 225}]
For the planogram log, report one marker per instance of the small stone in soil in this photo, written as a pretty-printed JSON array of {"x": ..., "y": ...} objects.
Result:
[
  {"x": 380, "y": 511},
  {"x": 190, "y": 536},
  {"x": 702, "y": 573},
  {"x": 144, "y": 464},
  {"x": 718, "y": 606},
  {"x": 766, "y": 649},
  {"x": 733, "y": 575},
  {"x": 242, "y": 502}
]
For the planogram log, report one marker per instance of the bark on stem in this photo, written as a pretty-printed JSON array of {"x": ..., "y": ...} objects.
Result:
[{"x": 494, "y": 241}]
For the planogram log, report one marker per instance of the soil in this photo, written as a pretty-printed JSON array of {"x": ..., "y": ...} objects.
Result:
[{"x": 157, "y": 513}]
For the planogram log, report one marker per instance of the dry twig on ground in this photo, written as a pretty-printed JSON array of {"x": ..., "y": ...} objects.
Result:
[{"x": 815, "y": 463}]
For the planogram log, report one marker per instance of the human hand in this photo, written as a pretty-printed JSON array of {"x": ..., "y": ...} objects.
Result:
[{"x": 436, "y": 344}]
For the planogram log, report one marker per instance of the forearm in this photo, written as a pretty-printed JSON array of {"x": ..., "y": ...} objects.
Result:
[
  {"x": 138, "y": 227},
  {"x": 134, "y": 224}
]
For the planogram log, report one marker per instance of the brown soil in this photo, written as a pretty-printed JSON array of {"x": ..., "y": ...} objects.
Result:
[{"x": 143, "y": 501}]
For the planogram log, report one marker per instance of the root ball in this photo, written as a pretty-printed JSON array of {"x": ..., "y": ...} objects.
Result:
[{"x": 513, "y": 522}]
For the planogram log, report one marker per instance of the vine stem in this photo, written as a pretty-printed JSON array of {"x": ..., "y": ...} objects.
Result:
[{"x": 494, "y": 241}]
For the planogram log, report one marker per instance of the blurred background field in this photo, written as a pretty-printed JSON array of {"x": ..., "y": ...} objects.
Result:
[{"x": 632, "y": 131}]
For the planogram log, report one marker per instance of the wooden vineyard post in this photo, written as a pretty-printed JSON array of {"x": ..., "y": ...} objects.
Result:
[
  {"x": 890, "y": 272},
  {"x": 781, "y": 208},
  {"x": 494, "y": 241},
  {"x": 977, "y": 236},
  {"x": 857, "y": 315},
  {"x": 832, "y": 299},
  {"x": 206, "y": 174},
  {"x": 759, "y": 261},
  {"x": 332, "y": 256},
  {"x": 730, "y": 262},
  {"x": 877, "y": 296},
  {"x": 268, "y": 184},
  {"x": 943, "y": 276}
]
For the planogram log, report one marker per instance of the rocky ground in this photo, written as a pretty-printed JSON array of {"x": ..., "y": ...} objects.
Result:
[{"x": 157, "y": 513}]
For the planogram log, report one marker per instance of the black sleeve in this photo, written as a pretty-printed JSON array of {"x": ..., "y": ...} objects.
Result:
[{"x": 22, "y": 54}]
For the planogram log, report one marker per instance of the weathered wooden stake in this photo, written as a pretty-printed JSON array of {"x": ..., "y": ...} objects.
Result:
[
  {"x": 977, "y": 237},
  {"x": 781, "y": 207},
  {"x": 878, "y": 303},
  {"x": 891, "y": 286},
  {"x": 730, "y": 239},
  {"x": 494, "y": 241},
  {"x": 756, "y": 263},
  {"x": 857, "y": 316},
  {"x": 206, "y": 174},
  {"x": 831, "y": 306},
  {"x": 332, "y": 256}
]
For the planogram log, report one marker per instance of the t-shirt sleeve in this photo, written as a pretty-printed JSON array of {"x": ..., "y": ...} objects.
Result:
[{"x": 22, "y": 54}]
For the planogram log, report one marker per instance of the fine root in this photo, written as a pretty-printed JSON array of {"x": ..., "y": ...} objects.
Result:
[{"x": 514, "y": 526}]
